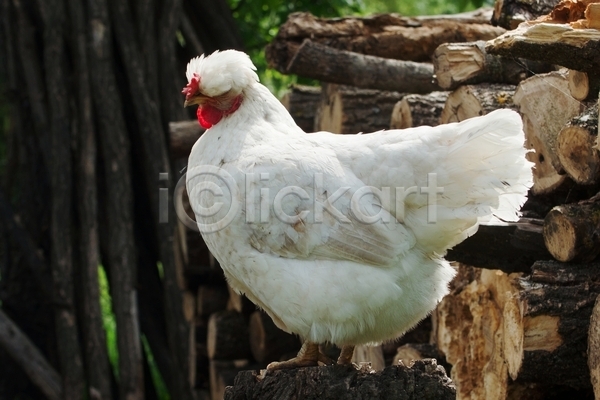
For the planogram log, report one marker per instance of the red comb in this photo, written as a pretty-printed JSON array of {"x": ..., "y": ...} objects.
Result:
[{"x": 192, "y": 88}]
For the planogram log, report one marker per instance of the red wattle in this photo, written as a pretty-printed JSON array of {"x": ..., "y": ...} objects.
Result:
[{"x": 208, "y": 116}]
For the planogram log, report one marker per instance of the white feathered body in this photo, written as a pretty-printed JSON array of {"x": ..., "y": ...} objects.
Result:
[{"x": 320, "y": 270}]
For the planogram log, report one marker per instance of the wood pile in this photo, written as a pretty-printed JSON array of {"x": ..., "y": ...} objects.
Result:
[{"x": 522, "y": 319}]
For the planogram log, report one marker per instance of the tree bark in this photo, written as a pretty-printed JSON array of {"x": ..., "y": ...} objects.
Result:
[
  {"x": 318, "y": 61},
  {"x": 302, "y": 102},
  {"x": 572, "y": 231},
  {"x": 458, "y": 64},
  {"x": 575, "y": 147},
  {"x": 349, "y": 110},
  {"x": 510, "y": 13},
  {"x": 424, "y": 380},
  {"x": 384, "y": 35},
  {"x": 418, "y": 110},
  {"x": 546, "y": 105},
  {"x": 475, "y": 100},
  {"x": 593, "y": 350},
  {"x": 551, "y": 43}
]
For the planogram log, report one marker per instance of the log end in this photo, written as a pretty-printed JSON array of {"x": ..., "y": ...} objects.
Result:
[{"x": 560, "y": 235}]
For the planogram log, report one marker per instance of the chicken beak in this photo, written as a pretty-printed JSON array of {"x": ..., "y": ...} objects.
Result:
[{"x": 197, "y": 99}]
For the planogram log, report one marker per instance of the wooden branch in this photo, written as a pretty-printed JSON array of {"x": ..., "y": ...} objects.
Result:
[
  {"x": 546, "y": 105},
  {"x": 559, "y": 44},
  {"x": 96, "y": 355},
  {"x": 318, "y": 61},
  {"x": 302, "y": 102},
  {"x": 475, "y": 100},
  {"x": 575, "y": 147},
  {"x": 119, "y": 239},
  {"x": 385, "y": 35},
  {"x": 458, "y": 64},
  {"x": 227, "y": 336},
  {"x": 424, "y": 380},
  {"x": 350, "y": 110},
  {"x": 29, "y": 358},
  {"x": 572, "y": 231},
  {"x": 418, "y": 109},
  {"x": 61, "y": 182},
  {"x": 510, "y": 13},
  {"x": 518, "y": 329},
  {"x": 267, "y": 342},
  {"x": 182, "y": 137}
]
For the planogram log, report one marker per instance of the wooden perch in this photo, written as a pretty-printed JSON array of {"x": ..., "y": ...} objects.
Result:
[
  {"x": 29, "y": 358},
  {"x": 572, "y": 231},
  {"x": 182, "y": 137},
  {"x": 546, "y": 105},
  {"x": 575, "y": 147},
  {"x": 457, "y": 64},
  {"x": 424, "y": 380},
  {"x": 559, "y": 44},
  {"x": 268, "y": 342},
  {"x": 350, "y": 110},
  {"x": 302, "y": 101},
  {"x": 475, "y": 100},
  {"x": 498, "y": 329},
  {"x": 318, "y": 61},
  {"x": 418, "y": 109},
  {"x": 384, "y": 35},
  {"x": 510, "y": 13}
]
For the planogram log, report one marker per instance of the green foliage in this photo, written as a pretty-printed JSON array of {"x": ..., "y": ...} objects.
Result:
[
  {"x": 258, "y": 22},
  {"x": 109, "y": 322}
]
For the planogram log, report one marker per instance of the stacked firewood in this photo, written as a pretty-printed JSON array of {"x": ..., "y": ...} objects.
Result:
[{"x": 517, "y": 320}]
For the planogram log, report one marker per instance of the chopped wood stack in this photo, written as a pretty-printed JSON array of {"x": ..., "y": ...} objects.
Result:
[{"x": 516, "y": 322}]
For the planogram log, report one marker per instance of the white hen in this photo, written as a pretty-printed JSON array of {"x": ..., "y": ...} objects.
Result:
[{"x": 340, "y": 238}]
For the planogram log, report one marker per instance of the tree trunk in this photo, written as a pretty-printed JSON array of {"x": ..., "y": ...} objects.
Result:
[
  {"x": 385, "y": 35},
  {"x": 458, "y": 64},
  {"x": 475, "y": 100},
  {"x": 418, "y": 110},
  {"x": 510, "y": 13},
  {"x": 546, "y": 105},
  {"x": 317, "y": 61},
  {"x": 302, "y": 102},
  {"x": 575, "y": 147},
  {"x": 424, "y": 380},
  {"x": 350, "y": 110}
]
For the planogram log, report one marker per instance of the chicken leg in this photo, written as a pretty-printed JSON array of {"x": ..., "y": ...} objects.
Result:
[
  {"x": 308, "y": 356},
  {"x": 346, "y": 354}
]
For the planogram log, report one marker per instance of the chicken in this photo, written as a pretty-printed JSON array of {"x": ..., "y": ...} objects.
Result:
[{"x": 340, "y": 238}]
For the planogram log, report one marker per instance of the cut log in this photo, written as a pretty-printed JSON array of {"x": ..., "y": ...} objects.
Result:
[
  {"x": 302, "y": 101},
  {"x": 267, "y": 342},
  {"x": 592, "y": 15},
  {"x": 546, "y": 106},
  {"x": 512, "y": 248},
  {"x": 425, "y": 380},
  {"x": 530, "y": 329},
  {"x": 510, "y": 13},
  {"x": 318, "y": 61},
  {"x": 182, "y": 137},
  {"x": 583, "y": 85},
  {"x": 418, "y": 110},
  {"x": 593, "y": 351},
  {"x": 456, "y": 64},
  {"x": 384, "y": 35},
  {"x": 475, "y": 100},
  {"x": 572, "y": 231},
  {"x": 210, "y": 299},
  {"x": 239, "y": 303},
  {"x": 227, "y": 336},
  {"x": 345, "y": 109},
  {"x": 559, "y": 44},
  {"x": 575, "y": 147}
]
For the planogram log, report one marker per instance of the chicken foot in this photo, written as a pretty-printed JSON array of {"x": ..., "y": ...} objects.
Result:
[
  {"x": 308, "y": 356},
  {"x": 346, "y": 354}
]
